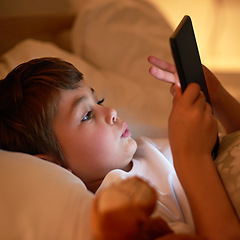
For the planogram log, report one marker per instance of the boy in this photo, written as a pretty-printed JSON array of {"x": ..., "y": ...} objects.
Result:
[{"x": 47, "y": 110}]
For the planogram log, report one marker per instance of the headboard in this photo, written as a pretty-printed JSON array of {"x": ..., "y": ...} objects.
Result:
[{"x": 52, "y": 28}]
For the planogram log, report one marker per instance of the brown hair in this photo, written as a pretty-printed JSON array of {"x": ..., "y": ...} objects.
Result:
[{"x": 29, "y": 96}]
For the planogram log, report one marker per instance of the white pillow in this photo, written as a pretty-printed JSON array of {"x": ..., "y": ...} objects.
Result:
[
  {"x": 228, "y": 165},
  {"x": 40, "y": 200},
  {"x": 119, "y": 36},
  {"x": 31, "y": 48}
]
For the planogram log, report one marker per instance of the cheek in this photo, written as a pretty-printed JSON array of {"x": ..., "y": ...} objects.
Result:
[
  {"x": 103, "y": 143},
  {"x": 93, "y": 143},
  {"x": 93, "y": 157},
  {"x": 95, "y": 154}
]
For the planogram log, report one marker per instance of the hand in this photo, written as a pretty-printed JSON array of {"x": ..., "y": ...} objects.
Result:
[
  {"x": 164, "y": 71},
  {"x": 192, "y": 135},
  {"x": 192, "y": 127},
  {"x": 167, "y": 72}
]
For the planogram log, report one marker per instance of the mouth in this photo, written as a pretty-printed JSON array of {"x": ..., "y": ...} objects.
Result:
[{"x": 125, "y": 132}]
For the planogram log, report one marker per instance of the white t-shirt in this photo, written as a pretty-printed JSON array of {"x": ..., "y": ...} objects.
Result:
[{"x": 152, "y": 165}]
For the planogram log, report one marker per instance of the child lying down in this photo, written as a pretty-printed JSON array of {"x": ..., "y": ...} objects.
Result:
[{"x": 47, "y": 110}]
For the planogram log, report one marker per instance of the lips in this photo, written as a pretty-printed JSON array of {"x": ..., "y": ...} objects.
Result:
[{"x": 125, "y": 131}]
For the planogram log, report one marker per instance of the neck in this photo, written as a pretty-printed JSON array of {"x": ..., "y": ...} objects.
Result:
[
  {"x": 128, "y": 168},
  {"x": 93, "y": 186}
]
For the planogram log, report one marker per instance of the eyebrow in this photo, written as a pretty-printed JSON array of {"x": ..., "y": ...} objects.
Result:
[{"x": 79, "y": 100}]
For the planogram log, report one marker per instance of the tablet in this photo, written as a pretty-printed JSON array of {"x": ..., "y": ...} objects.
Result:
[{"x": 187, "y": 60}]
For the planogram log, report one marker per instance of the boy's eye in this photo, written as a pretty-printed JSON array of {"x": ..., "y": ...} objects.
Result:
[
  {"x": 100, "y": 102},
  {"x": 88, "y": 116}
]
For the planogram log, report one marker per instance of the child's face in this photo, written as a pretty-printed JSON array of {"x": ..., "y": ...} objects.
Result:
[{"x": 94, "y": 140}]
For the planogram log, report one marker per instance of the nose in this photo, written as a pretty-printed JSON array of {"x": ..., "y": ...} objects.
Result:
[{"x": 111, "y": 116}]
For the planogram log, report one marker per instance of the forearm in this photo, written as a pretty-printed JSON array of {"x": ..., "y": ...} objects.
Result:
[
  {"x": 227, "y": 110},
  {"x": 213, "y": 213},
  {"x": 192, "y": 134}
]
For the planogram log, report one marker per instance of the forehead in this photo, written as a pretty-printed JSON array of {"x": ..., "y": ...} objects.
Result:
[
  {"x": 72, "y": 95},
  {"x": 69, "y": 100}
]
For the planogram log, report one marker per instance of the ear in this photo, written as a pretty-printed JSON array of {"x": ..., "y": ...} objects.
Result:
[{"x": 48, "y": 158}]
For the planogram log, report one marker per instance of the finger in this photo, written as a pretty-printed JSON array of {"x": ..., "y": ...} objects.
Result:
[
  {"x": 200, "y": 102},
  {"x": 177, "y": 93},
  {"x": 210, "y": 117},
  {"x": 162, "y": 64},
  {"x": 192, "y": 93},
  {"x": 209, "y": 108},
  {"x": 162, "y": 75},
  {"x": 173, "y": 87}
]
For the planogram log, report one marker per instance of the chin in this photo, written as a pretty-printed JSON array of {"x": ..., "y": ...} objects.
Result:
[{"x": 135, "y": 146}]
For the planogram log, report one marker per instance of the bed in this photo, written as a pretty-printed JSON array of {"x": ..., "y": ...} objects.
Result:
[{"x": 109, "y": 42}]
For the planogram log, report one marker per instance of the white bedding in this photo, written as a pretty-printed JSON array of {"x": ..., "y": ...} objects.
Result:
[{"x": 228, "y": 165}]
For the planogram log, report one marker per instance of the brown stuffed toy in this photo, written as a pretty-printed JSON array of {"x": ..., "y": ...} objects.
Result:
[{"x": 123, "y": 212}]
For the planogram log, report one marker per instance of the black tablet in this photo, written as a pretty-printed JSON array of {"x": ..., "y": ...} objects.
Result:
[{"x": 187, "y": 59}]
